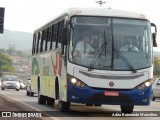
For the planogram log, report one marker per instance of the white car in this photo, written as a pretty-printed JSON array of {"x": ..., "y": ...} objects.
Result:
[
  {"x": 22, "y": 85},
  {"x": 10, "y": 82},
  {"x": 156, "y": 89}
]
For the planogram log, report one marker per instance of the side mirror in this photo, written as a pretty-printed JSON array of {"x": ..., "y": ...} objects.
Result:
[{"x": 154, "y": 35}]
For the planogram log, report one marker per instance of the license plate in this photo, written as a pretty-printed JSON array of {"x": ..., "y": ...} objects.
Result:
[{"x": 111, "y": 93}]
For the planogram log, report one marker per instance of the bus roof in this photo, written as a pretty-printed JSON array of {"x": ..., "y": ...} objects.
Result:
[
  {"x": 96, "y": 12},
  {"x": 104, "y": 12}
]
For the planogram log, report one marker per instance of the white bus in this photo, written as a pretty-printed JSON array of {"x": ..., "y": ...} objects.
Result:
[{"x": 107, "y": 75}]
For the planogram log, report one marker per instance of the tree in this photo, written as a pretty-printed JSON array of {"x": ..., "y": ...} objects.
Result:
[
  {"x": 2, "y": 50},
  {"x": 20, "y": 53},
  {"x": 156, "y": 66},
  {"x": 5, "y": 64},
  {"x": 11, "y": 50}
]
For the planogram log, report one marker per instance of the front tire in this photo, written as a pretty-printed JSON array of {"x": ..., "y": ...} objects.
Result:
[
  {"x": 152, "y": 97},
  {"x": 64, "y": 106},
  {"x": 127, "y": 108}
]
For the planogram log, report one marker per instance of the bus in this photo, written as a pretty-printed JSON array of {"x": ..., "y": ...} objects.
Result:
[{"x": 105, "y": 76}]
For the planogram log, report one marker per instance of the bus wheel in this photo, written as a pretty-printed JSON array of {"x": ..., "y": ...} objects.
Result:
[
  {"x": 50, "y": 101},
  {"x": 152, "y": 97},
  {"x": 31, "y": 94},
  {"x": 41, "y": 98},
  {"x": 64, "y": 106},
  {"x": 88, "y": 104},
  {"x": 27, "y": 93},
  {"x": 127, "y": 109},
  {"x": 98, "y": 104}
]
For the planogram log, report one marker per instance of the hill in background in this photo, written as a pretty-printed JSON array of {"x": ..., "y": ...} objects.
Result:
[{"x": 21, "y": 40}]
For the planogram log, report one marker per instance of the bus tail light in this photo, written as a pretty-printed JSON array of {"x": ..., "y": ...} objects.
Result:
[{"x": 144, "y": 85}]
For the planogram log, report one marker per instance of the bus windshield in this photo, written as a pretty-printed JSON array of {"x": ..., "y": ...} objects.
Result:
[{"x": 110, "y": 43}]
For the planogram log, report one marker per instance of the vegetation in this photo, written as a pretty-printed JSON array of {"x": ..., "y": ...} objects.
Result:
[
  {"x": 12, "y": 51},
  {"x": 5, "y": 64},
  {"x": 156, "y": 66}
]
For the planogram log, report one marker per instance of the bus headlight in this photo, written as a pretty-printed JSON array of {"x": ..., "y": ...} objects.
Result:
[
  {"x": 144, "y": 85},
  {"x": 77, "y": 82}
]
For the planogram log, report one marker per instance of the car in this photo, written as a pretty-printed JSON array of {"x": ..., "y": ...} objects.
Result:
[
  {"x": 156, "y": 89},
  {"x": 10, "y": 82},
  {"x": 29, "y": 91},
  {"x": 22, "y": 85}
]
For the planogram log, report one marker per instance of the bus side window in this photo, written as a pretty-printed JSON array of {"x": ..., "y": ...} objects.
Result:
[
  {"x": 53, "y": 38},
  {"x": 33, "y": 44},
  {"x": 39, "y": 42},
  {"x": 48, "y": 39},
  {"x": 56, "y": 34},
  {"x": 61, "y": 27},
  {"x": 44, "y": 40},
  {"x": 36, "y": 43}
]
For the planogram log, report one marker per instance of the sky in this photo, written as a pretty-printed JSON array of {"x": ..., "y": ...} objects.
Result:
[{"x": 28, "y": 15}]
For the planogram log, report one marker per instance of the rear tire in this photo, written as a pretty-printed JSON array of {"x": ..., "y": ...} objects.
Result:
[
  {"x": 98, "y": 105},
  {"x": 2, "y": 88},
  {"x": 17, "y": 89},
  {"x": 31, "y": 94},
  {"x": 41, "y": 98},
  {"x": 50, "y": 101},
  {"x": 89, "y": 104},
  {"x": 127, "y": 108},
  {"x": 27, "y": 93}
]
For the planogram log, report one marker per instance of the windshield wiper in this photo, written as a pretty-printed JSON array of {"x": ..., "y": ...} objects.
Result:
[
  {"x": 97, "y": 54},
  {"x": 125, "y": 60}
]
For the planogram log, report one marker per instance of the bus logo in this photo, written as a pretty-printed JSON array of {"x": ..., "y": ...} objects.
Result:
[{"x": 111, "y": 84}]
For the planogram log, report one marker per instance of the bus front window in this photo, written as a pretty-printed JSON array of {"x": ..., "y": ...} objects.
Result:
[
  {"x": 96, "y": 43},
  {"x": 88, "y": 36},
  {"x": 132, "y": 40}
]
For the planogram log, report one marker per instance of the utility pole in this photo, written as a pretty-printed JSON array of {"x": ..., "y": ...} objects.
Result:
[{"x": 100, "y": 2}]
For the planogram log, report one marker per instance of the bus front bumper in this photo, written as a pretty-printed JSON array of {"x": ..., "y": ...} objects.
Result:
[{"x": 89, "y": 95}]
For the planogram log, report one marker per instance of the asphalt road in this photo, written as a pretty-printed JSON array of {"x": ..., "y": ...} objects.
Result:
[
  {"x": 18, "y": 101},
  {"x": 7, "y": 105}
]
